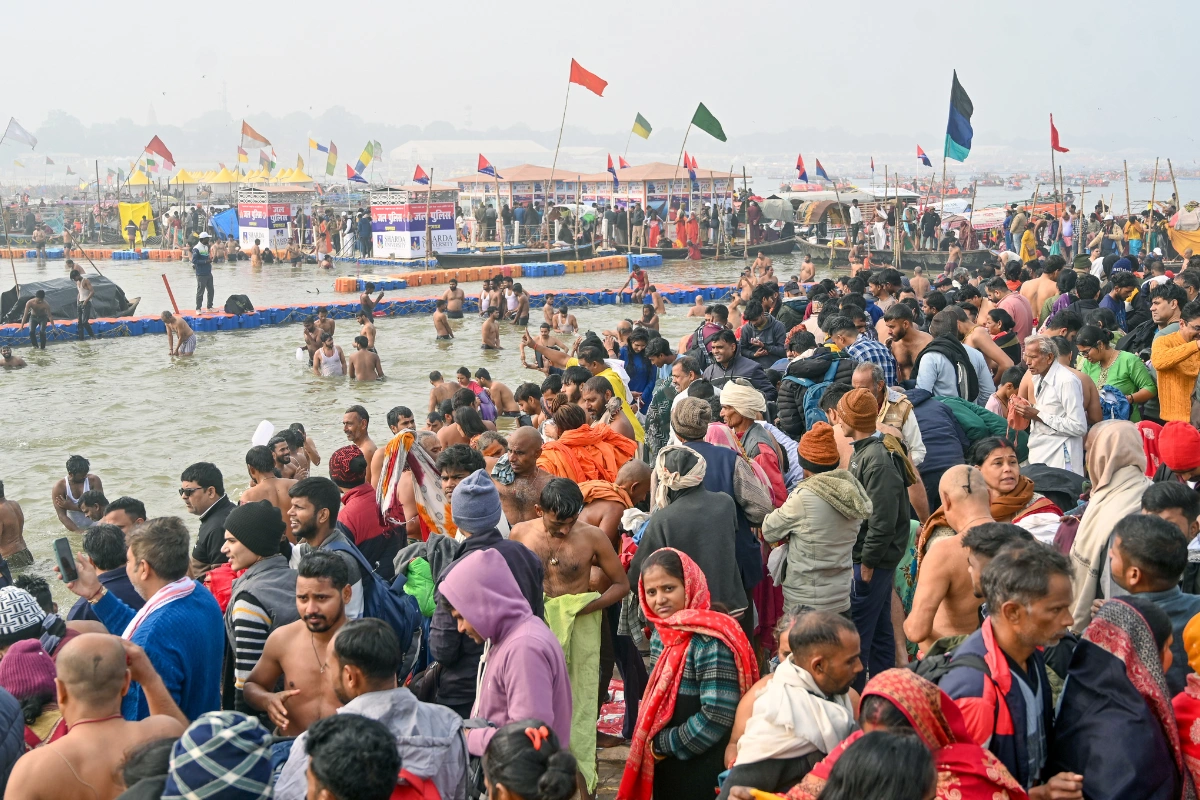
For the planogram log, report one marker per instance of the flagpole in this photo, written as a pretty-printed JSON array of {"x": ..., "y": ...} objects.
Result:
[
  {"x": 1153, "y": 194},
  {"x": 428, "y": 226},
  {"x": 98, "y": 209},
  {"x": 500, "y": 219},
  {"x": 942, "y": 201},
  {"x": 628, "y": 139},
  {"x": 575, "y": 225},
  {"x": 1127, "y": 208},
  {"x": 1178, "y": 200},
  {"x": 11, "y": 263},
  {"x": 676, "y": 175},
  {"x": 553, "y": 165},
  {"x": 746, "y": 205},
  {"x": 1052, "y": 178},
  {"x": 971, "y": 217}
]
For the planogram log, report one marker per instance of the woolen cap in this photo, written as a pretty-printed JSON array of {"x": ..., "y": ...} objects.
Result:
[
  {"x": 222, "y": 754},
  {"x": 858, "y": 409},
  {"x": 27, "y": 670},
  {"x": 690, "y": 418},
  {"x": 19, "y": 611},
  {"x": 258, "y": 525},
  {"x": 1179, "y": 446},
  {"x": 475, "y": 504},
  {"x": 1082, "y": 263},
  {"x": 818, "y": 450}
]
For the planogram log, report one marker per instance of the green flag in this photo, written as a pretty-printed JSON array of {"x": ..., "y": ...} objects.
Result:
[
  {"x": 641, "y": 127},
  {"x": 705, "y": 121}
]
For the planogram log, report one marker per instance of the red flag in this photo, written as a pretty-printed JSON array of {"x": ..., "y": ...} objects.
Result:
[
  {"x": 586, "y": 79},
  {"x": 1054, "y": 145},
  {"x": 486, "y": 167},
  {"x": 624, "y": 164},
  {"x": 419, "y": 176},
  {"x": 157, "y": 147}
]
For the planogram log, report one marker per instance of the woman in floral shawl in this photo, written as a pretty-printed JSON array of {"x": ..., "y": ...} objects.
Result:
[
  {"x": 899, "y": 700},
  {"x": 1115, "y": 725}
]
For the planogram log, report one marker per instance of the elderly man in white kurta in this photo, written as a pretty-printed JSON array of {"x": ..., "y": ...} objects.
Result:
[{"x": 1058, "y": 420}]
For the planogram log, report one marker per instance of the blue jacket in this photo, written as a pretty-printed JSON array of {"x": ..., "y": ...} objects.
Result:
[
  {"x": 184, "y": 640},
  {"x": 945, "y": 440},
  {"x": 642, "y": 373},
  {"x": 201, "y": 262},
  {"x": 12, "y": 736},
  {"x": 116, "y": 581},
  {"x": 718, "y": 477},
  {"x": 994, "y": 707}
]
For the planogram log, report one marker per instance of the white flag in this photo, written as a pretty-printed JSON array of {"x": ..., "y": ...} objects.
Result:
[{"x": 15, "y": 131}]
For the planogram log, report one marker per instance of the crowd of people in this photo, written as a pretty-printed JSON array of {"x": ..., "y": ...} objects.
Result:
[{"x": 883, "y": 536}]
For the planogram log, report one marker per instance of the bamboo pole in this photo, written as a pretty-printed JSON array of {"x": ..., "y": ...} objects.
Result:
[
  {"x": 1175, "y": 187},
  {"x": 1153, "y": 193},
  {"x": 746, "y": 205},
  {"x": 675, "y": 177},
  {"x": 971, "y": 216},
  {"x": 8, "y": 243},
  {"x": 1052, "y": 181},
  {"x": 428, "y": 226},
  {"x": 942, "y": 201},
  {"x": 1128, "y": 209},
  {"x": 500, "y": 219},
  {"x": 578, "y": 197},
  {"x": 550, "y": 185}
]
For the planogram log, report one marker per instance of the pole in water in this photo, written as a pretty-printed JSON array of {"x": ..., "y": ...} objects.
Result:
[{"x": 170, "y": 294}]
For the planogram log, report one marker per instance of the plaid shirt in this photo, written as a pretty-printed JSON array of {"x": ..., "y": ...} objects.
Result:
[{"x": 867, "y": 349}]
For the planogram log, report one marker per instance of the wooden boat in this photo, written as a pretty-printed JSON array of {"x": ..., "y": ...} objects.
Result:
[
  {"x": 778, "y": 247},
  {"x": 933, "y": 261},
  {"x": 524, "y": 255}
]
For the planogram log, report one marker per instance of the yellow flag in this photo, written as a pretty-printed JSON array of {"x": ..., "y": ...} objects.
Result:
[{"x": 299, "y": 162}]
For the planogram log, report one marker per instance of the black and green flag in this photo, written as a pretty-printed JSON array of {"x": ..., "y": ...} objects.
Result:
[{"x": 958, "y": 128}]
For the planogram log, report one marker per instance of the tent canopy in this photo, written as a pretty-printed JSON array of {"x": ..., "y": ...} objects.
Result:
[
  {"x": 139, "y": 178},
  {"x": 298, "y": 176},
  {"x": 224, "y": 176}
]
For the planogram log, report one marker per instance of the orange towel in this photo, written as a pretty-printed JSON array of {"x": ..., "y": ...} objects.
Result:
[{"x": 592, "y": 452}]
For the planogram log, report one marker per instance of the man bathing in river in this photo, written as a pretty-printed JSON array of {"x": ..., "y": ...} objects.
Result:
[
  {"x": 177, "y": 328},
  {"x": 12, "y": 531},
  {"x": 37, "y": 313},
  {"x": 329, "y": 361},
  {"x": 368, "y": 304},
  {"x": 8, "y": 360},
  {"x": 324, "y": 322},
  {"x": 440, "y": 391},
  {"x": 490, "y": 332},
  {"x": 354, "y": 424},
  {"x": 454, "y": 298},
  {"x": 260, "y": 465},
  {"x": 368, "y": 329},
  {"x": 441, "y": 321},
  {"x": 502, "y": 396},
  {"x": 363, "y": 364}
]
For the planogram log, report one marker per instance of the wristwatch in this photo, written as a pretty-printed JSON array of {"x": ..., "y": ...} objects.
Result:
[{"x": 98, "y": 596}]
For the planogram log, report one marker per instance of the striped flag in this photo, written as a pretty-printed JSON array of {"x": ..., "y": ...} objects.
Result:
[
  {"x": 801, "y": 172},
  {"x": 49, "y": 161},
  {"x": 312, "y": 144},
  {"x": 243, "y": 156},
  {"x": 924, "y": 159},
  {"x": 487, "y": 169},
  {"x": 821, "y": 171},
  {"x": 263, "y": 159},
  {"x": 320, "y": 147},
  {"x": 641, "y": 127},
  {"x": 613, "y": 171},
  {"x": 420, "y": 177},
  {"x": 351, "y": 175},
  {"x": 332, "y": 162},
  {"x": 252, "y": 138},
  {"x": 622, "y": 162},
  {"x": 299, "y": 162}
]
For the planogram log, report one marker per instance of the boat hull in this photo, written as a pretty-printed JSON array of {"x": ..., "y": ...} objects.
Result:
[
  {"x": 489, "y": 258},
  {"x": 930, "y": 260}
]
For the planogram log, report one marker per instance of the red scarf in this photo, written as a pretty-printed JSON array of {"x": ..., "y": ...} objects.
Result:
[
  {"x": 965, "y": 770},
  {"x": 658, "y": 704}
]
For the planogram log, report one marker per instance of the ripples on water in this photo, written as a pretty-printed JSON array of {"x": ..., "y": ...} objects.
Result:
[{"x": 141, "y": 417}]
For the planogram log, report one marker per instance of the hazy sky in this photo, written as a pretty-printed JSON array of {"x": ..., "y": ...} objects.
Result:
[{"x": 862, "y": 65}]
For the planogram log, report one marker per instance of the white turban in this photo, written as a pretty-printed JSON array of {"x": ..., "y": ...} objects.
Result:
[{"x": 746, "y": 400}]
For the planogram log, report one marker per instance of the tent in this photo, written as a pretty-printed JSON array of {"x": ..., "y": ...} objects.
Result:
[
  {"x": 185, "y": 178},
  {"x": 298, "y": 176},
  {"x": 225, "y": 223},
  {"x": 224, "y": 176},
  {"x": 208, "y": 176},
  {"x": 283, "y": 176},
  {"x": 61, "y": 294},
  {"x": 139, "y": 178}
]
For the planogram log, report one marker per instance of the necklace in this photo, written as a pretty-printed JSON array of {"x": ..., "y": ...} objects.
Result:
[
  {"x": 97, "y": 719},
  {"x": 317, "y": 655},
  {"x": 554, "y": 557}
]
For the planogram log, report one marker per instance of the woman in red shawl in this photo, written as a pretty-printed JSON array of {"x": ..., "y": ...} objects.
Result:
[
  {"x": 899, "y": 700},
  {"x": 702, "y": 666}
]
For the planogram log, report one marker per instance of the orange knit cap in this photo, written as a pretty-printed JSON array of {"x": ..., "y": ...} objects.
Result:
[
  {"x": 858, "y": 409},
  {"x": 818, "y": 450}
]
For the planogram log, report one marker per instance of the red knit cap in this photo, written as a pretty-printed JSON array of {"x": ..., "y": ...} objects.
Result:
[
  {"x": 342, "y": 468},
  {"x": 27, "y": 670},
  {"x": 1179, "y": 446}
]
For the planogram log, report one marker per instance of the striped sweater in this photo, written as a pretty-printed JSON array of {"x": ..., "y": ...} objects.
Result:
[{"x": 710, "y": 673}]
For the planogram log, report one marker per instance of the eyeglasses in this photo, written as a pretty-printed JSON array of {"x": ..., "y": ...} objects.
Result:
[{"x": 188, "y": 492}]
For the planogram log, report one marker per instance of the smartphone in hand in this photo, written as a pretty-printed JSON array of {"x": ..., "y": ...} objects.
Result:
[{"x": 65, "y": 559}]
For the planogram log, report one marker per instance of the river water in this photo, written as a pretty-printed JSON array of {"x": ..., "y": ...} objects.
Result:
[{"x": 141, "y": 416}]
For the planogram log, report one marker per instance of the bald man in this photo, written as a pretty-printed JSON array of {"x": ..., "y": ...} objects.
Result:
[
  {"x": 945, "y": 603},
  {"x": 604, "y": 503},
  {"x": 520, "y": 490},
  {"x": 93, "y": 676}
]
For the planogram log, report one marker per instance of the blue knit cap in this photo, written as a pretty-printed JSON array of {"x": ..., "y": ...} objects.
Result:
[
  {"x": 475, "y": 505},
  {"x": 223, "y": 754},
  {"x": 1122, "y": 265}
]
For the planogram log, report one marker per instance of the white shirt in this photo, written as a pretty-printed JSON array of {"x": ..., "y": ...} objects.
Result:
[
  {"x": 1098, "y": 268},
  {"x": 855, "y": 215},
  {"x": 1056, "y": 437}
]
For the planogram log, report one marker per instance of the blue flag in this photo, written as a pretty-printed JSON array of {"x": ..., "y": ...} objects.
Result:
[{"x": 958, "y": 127}]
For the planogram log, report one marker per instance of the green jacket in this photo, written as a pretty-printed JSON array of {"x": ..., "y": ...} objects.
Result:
[
  {"x": 979, "y": 423},
  {"x": 883, "y": 536}
]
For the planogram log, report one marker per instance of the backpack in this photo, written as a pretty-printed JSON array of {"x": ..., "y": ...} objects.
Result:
[
  {"x": 238, "y": 304},
  {"x": 1113, "y": 403},
  {"x": 934, "y": 668},
  {"x": 813, "y": 391},
  {"x": 381, "y": 601}
]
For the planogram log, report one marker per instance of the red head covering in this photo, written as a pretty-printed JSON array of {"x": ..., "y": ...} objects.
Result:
[
  {"x": 965, "y": 770},
  {"x": 340, "y": 471},
  {"x": 663, "y": 688}
]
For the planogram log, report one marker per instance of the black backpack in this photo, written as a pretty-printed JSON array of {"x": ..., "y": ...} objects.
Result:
[
  {"x": 934, "y": 668},
  {"x": 238, "y": 304}
]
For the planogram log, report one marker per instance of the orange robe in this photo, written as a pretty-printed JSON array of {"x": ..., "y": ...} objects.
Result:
[
  {"x": 589, "y": 453},
  {"x": 693, "y": 231}
]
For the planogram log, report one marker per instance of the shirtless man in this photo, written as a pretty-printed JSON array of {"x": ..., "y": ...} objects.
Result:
[
  {"x": 521, "y": 312},
  {"x": 633, "y": 479},
  {"x": 548, "y": 308},
  {"x": 490, "y": 332},
  {"x": 94, "y": 673},
  {"x": 699, "y": 309},
  {"x": 440, "y": 391},
  {"x": 745, "y": 284},
  {"x": 399, "y": 419},
  {"x": 12, "y": 528},
  {"x": 355, "y": 422},
  {"x": 944, "y": 603},
  {"x": 808, "y": 270},
  {"x": 38, "y": 314},
  {"x": 564, "y": 321},
  {"x": 569, "y": 548},
  {"x": 519, "y": 497},
  {"x": 978, "y": 337},
  {"x": 545, "y": 340},
  {"x": 312, "y": 338},
  {"x": 322, "y": 592},
  {"x": 441, "y": 322},
  {"x": 649, "y": 317},
  {"x": 596, "y": 396},
  {"x": 363, "y": 364},
  {"x": 286, "y": 462},
  {"x": 329, "y": 361},
  {"x": 260, "y": 465},
  {"x": 8, "y": 360},
  {"x": 181, "y": 339},
  {"x": 502, "y": 396},
  {"x": 324, "y": 322},
  {"x": 66, "y": 494},
  {"x": 454, "y": 298},
  {"x": 368, "y": 329},
  {"x": 906, "y": 341},
  {"x": 918, "y": 282},
  {"x": 368, "y": 304},
  {"x": 1044, "y": 287},
  {"x": 255, "y": 254}
]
